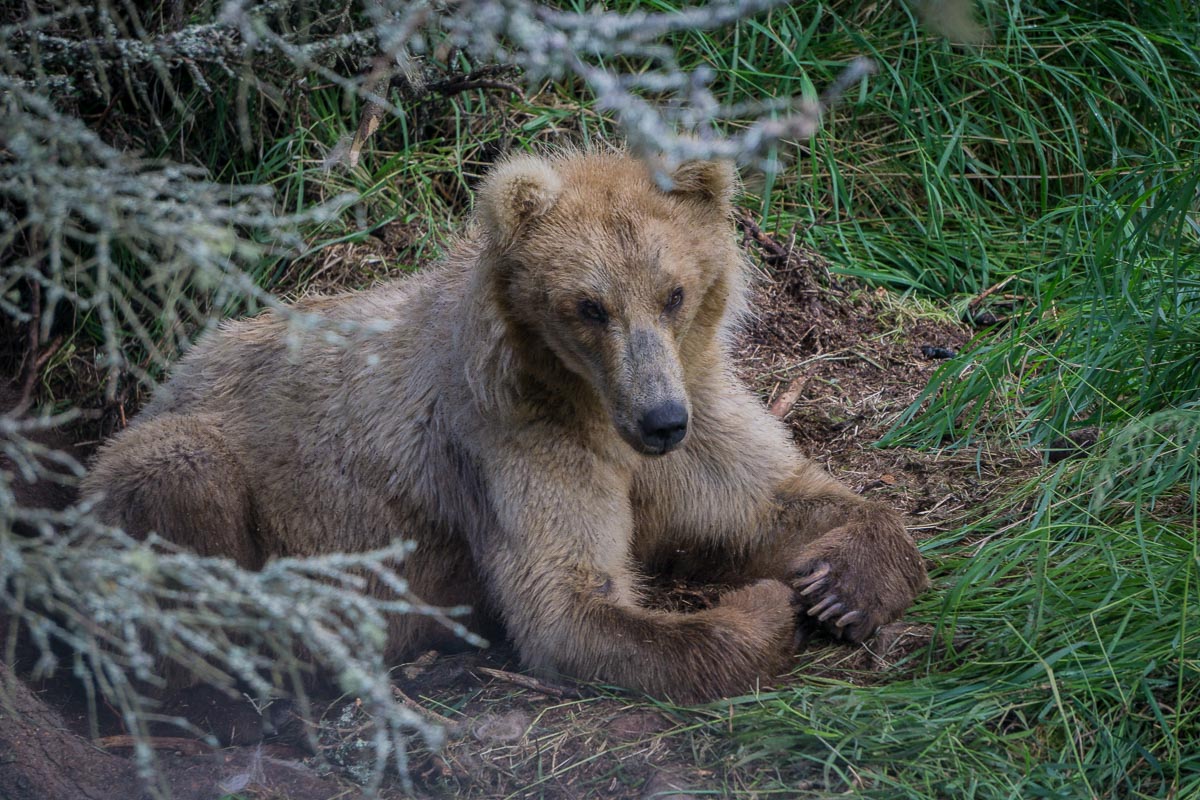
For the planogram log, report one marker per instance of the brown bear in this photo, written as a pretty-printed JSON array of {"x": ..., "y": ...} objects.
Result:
[{"x": 547, "y": 414}]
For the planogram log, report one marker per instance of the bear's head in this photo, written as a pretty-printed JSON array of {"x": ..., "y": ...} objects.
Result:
[{"x": 627, "y": 285}]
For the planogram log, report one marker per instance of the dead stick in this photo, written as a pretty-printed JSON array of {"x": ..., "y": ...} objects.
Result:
[
  {"x": 531, "y": 683},
  {"x": 48, "y": 352},
  {"x": 189, "y": 747},
  {"x": 421, "y": 710},
  {"x": 788, "y": 397},
  {"x": 988, "y": 292},
  {"x": 773, "y": 252},
  {"x": 451, "y": 88},
  {"x": 32, "y": 346}
]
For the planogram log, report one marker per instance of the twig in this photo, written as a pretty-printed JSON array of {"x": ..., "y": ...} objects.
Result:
[
  {"x": 48, "y": 352},
  {"x": 488, "y": 77},
  {"x": 428, "y": 714},
  {"x": 773, "y": 253},
  {"x": 532, "y": 684},
  {"x": 782, "y": 404},
  {"x": 36, "y": 356},
  {"x": 806, "y": 278},
  {"x": 457, "y": 87},
  {"x": 870, "y": 360},
  {"x": 179, "y": 744},
  {"x": 979, "y": 298}
]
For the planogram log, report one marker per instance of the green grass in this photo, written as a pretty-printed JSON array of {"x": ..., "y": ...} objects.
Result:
[
  {"x": 1065, "y": 156},
  {"x": 1067, "y": 662},
  {"x": 1111, "y": 333},
  {"x": 1062, "y": 156}
]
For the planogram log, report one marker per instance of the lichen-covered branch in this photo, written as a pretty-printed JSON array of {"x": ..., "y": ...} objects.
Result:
[
  {"x": 128, "y": 611},
  {"x": 152, "y": 248}
]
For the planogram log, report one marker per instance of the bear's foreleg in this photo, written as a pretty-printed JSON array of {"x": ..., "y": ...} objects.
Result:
[
  {"x": 557, "y": 568},
  {"x": 564, "y": 627}
]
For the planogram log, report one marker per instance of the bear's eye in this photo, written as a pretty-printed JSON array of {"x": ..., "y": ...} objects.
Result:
[
  {"x": 593, "y": 311},
  {"x": 675, "y": 300}
]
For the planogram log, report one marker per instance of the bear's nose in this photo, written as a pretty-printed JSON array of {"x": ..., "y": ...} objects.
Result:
[{"x": 663, "y": 427}]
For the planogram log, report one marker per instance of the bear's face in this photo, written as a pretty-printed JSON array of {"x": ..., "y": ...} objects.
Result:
[{"x": 623, "y": 282}]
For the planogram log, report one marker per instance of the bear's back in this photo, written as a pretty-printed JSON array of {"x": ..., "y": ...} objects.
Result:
[{"x": 333, "y": 418}]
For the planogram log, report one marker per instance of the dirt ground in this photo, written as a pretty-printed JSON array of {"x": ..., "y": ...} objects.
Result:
[{"x": 838, "y": 363}]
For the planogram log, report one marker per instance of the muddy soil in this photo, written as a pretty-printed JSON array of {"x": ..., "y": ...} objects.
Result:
[{"x": 838, "y": 363}]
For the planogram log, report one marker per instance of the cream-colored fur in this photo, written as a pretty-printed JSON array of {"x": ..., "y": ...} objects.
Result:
[{"x": 519, "y": 419}]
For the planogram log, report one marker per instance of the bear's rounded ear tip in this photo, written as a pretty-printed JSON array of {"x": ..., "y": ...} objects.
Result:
[
  {"x": 713, "y": 180},
  {"x": 517, "y": 191}
]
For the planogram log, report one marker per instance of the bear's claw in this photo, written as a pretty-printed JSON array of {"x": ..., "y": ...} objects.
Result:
[
  {"x": 820, "y": 594},
  {"x": 847, "y": 619},
  {"x": 826, "y": 608},
  {"x": 814, "y": 581}
]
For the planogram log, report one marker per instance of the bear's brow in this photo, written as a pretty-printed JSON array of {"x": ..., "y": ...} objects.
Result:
[
  {"x": 633, "y": 242},
  {"x": 622, "y": 228}
]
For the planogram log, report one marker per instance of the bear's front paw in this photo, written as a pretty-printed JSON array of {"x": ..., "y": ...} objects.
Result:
[
  {"x": 850, "y": 594},
  {"x": 766, "y": 605}
]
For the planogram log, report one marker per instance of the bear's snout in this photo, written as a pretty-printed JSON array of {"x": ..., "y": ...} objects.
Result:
[{"x": 663, "y": 427}]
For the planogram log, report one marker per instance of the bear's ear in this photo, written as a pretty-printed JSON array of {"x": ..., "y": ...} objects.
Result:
[
  {"x": 515, "y": 192},
  {"x": 715, "y": 181}
]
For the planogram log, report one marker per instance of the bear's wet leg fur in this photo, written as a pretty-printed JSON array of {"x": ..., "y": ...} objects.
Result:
[
  {"x": 693, "y": 657},
  {"x": 592, "y": 633},
  {"x": 176, "y": 476}
]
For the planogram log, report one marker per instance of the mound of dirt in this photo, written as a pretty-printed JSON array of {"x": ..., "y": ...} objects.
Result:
[{"x": 839, "y": 363}]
